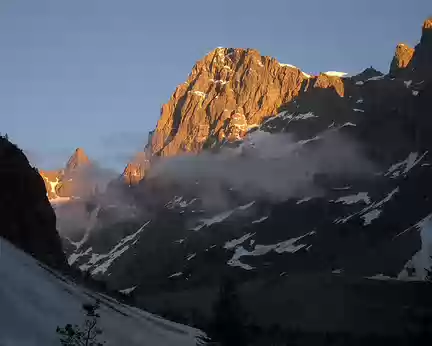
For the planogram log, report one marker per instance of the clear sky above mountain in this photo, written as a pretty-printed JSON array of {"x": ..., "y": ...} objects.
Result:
[{"x": 94, "y": 73}]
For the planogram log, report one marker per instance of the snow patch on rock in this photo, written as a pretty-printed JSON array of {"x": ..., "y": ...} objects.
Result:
[
  {"x": 128, "y": 290},
  {"x": 99, "y": 263},
  {"x": 303, "y": 200},
  {"x": 370, "y": 216},
  {"x": 417, "y": 267},
  {"x": 220, "y": 217},
  {"x": 288, "y": 65},
  {"x": 370, "y": 212},
  {"x": 233, "y": 243},
  {"x": 335, "y": 74},
  {"x": 289, "y": 246},
  {"x": 375, "y": 78},
  {"x": 408, "y": 83},
  {"x": 178, "y": 201},
  {"x": 351, "y": 199},
  {"x": 403, "y": 167},
  {"x": 380, "y": 277},
  {"x": 261, "y": 219}
]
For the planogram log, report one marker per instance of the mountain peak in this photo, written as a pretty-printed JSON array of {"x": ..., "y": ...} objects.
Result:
[
  {"x": 427, "y": 23},
  {"x": 230, "y": 51},
  {"x": 423, "y": 51},
  {"x": 402, "y": 57},
  {"x": 227, "y": 92},
  {"x": 78, "y": 159},
  {"x": 232, "y": 90},
  {"x": 367, "y": 73},
  {"x": 426, "y": 37},
  {"x": 331, "y": 79}
]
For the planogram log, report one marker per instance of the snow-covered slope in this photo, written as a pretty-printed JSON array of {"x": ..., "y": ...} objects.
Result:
[{"x": 35, "y": 300}]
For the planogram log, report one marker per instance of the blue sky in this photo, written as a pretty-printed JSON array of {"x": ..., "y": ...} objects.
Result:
[{"x": 94, "y": 73}]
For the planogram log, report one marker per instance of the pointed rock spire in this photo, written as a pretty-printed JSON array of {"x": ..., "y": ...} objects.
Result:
[
  {"x": 78, "y": 159},
  {"x": 423, "y": 51},
  {"x": 427, "y": 25},
  {"x": 426, "y": 38}
]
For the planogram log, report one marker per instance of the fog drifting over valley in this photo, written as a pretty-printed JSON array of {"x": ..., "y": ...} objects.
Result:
[{"x": 274, "y": 167}]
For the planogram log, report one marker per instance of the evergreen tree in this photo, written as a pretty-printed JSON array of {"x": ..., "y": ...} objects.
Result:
[{"x": 87, "y": 334}]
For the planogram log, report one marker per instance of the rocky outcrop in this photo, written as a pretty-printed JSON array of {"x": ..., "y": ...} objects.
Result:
[
  {"x": 63, "y": 183},
  {"x": 27, "y": 219},
  {"x": 135, "y": 170},
  {"x": 51, "y": 180},
  {"x": 402, "y": 57},
  {"x": 325, "y": 81}
]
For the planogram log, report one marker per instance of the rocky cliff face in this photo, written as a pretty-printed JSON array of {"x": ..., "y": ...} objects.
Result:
[
  {"x": 27, "y": 219},
  {"x": 402, "y": 57},
  {"x": 227, "y": 93}
]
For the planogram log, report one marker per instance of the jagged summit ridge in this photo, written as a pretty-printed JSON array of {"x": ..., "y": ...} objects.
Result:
[
  {"x": 229, "y": 92},
  {"x": 234, "y": 90}
]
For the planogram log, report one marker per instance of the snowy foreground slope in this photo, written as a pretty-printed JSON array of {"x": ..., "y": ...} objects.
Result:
[{"x": 34, "y": 301}]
